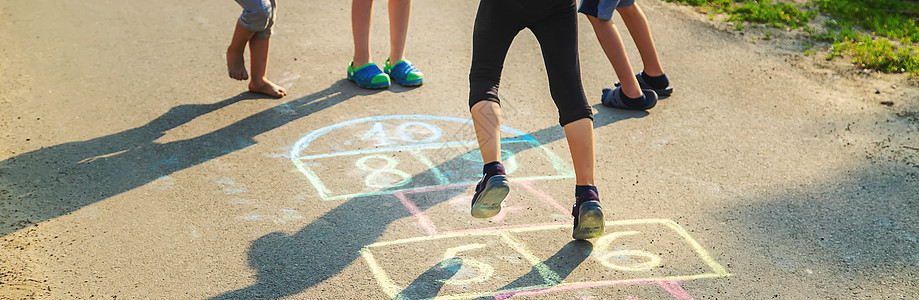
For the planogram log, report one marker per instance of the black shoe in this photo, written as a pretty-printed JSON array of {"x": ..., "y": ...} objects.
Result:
[
  {"x": 615, "y": 98},
  {"x": 588, "y": 220},
  {"x": 489, "y": 193},
  {"x": 662, "y": 92}
]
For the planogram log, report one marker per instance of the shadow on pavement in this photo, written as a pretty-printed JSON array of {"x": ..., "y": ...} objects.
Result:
[
  {"x": 431, "y": 281},
  {"x": 289, "y": 264},
  {"x": 562, "y": 263},
  {"x": 43, "y": 184}
]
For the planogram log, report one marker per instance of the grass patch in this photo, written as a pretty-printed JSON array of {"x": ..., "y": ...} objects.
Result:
[
  {"x": 878, "y": 53},
  {"x": 778, "y": 15},
  {"x": 714, "y": 5},
  {"x": 875, "y": 34},
  {"x": 894, "y": 19}
]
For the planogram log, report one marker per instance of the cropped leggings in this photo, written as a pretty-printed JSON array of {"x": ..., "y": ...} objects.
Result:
[{"x": 554, "y": 23}]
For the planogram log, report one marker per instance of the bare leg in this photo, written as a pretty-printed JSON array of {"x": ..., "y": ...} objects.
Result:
[
  {"x": 399, "y": 12},
  {"x": 580, "y": 135},
  {"x": 258, "y": 62},
  {"x": 236, "y": 64},
  {"x": 637, "y": 24},
  {"x": 612, "y": 45},
  {"x": 486, "y": 117},
  {"x": 361, "y": 14}
]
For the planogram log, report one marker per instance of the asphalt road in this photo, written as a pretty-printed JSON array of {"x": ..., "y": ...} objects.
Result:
[{"x": 132, "y": 167}]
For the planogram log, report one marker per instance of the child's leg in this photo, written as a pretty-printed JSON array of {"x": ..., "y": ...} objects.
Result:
[
  {"x": 637, "y": 24},
  {"x": 361, "y": 14},
  {"x": 258, "y": 56},
  {"x": 558, "y": 40},
  {"x": 557, "y": 37},
  {"x": 612, "y": 45},
  {"x": 491, "y": 38},
  {"x": 580, "y": 136},
  {"x": 236, "y": 64},
  {"x": 399, "y": 12},
  {"x": 492, "y": 35},
  {"x": 486, "y": 118}
]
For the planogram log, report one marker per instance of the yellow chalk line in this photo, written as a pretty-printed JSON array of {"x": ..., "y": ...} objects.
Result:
[{"x": 392, "y": 289}]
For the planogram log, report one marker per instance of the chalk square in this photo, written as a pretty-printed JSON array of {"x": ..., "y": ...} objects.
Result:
[
  {"x": 632, "y": 250},
  {"x": 626, "y": 291},
  {"x": 344, "y": 177},
  {"x": 464, "y": 265},
  {"x": 574, "y": 264}
]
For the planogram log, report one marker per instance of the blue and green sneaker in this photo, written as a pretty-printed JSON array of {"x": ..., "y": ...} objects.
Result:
[
  {"x": 368, "y": 76},
  {"x": 404, "y": 73}
]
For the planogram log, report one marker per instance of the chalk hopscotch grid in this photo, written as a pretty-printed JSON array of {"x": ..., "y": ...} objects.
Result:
[
  {"x": 553, "y": 284},
  {"x": 301, "y": 162}
]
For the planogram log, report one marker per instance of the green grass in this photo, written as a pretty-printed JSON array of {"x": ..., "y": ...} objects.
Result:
[
  {"x": 778, "y": 15},
  {"x": 875, "y": 34},
  {"x": 879, "y": 54},
  {"x": 894, "y": 19},
  {"x": 715, "y": 5}
]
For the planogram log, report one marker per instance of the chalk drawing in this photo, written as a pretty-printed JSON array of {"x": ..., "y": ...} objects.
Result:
[
  {"x": 377, "y": 177},
  {"x": 421, "y": 136},
  {"x": 603, "y": 252},
  {"x": 387, "y": 152},
  {"x": 484, "y": 271},
  {"x": 604, "y": 242},
  {"x": 553, "y": 281}
]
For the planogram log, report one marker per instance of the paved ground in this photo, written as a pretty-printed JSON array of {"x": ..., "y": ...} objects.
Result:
[{"x": 132, "y": 167}]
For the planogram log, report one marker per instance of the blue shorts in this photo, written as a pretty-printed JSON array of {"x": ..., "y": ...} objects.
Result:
[
  {"x": 602, "y": 9},
  {"x": 258, "y": 16}
]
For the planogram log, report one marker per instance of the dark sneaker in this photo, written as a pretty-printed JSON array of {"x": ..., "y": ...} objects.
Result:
[
  {"x": 489, "y": 193},
  {"x": 662, "y": 92},
  {"x": 588, "y": 220},
  {"x": 615, "y": 98}
]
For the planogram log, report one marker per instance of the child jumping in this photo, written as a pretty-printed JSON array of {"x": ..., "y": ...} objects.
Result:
[
  {"x": 639, "y": 92},
  {"x": 554, "y": 22},
  {"x": 254, "y": 28},
  {"x": 362, "y": 70}
]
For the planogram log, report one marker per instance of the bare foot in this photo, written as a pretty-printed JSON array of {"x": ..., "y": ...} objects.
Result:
[
  {"x": 236, "y": 65},
  {"x": 267, "y": 87}
]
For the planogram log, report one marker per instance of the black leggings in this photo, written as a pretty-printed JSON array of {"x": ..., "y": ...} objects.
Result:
[{"x": 554, "y": 22}]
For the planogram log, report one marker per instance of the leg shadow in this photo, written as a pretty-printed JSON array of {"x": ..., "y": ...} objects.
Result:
[
  {"x": 553, "y": 270},
  {"x": 46, "y": 183},
  {"x": 431, "y": 281}
]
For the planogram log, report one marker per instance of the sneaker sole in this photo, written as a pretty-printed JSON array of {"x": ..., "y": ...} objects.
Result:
[
  {"x": 489, "y": 203},
  {"x": 411, "y": 84},
  {"x": 372, "y": 87},
  {"x": 590, "y": 222}
]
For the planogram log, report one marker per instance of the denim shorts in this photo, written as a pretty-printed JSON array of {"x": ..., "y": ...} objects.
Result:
[
  {"x": 258, "y": 16},
  {"x": 602, "y": 9}
]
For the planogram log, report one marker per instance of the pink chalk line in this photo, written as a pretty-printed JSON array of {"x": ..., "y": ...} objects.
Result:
[
  {"x": 673, "y": 287},
  {"x": 542, "y": 195},
  {"x": 423, "y": 219}
]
